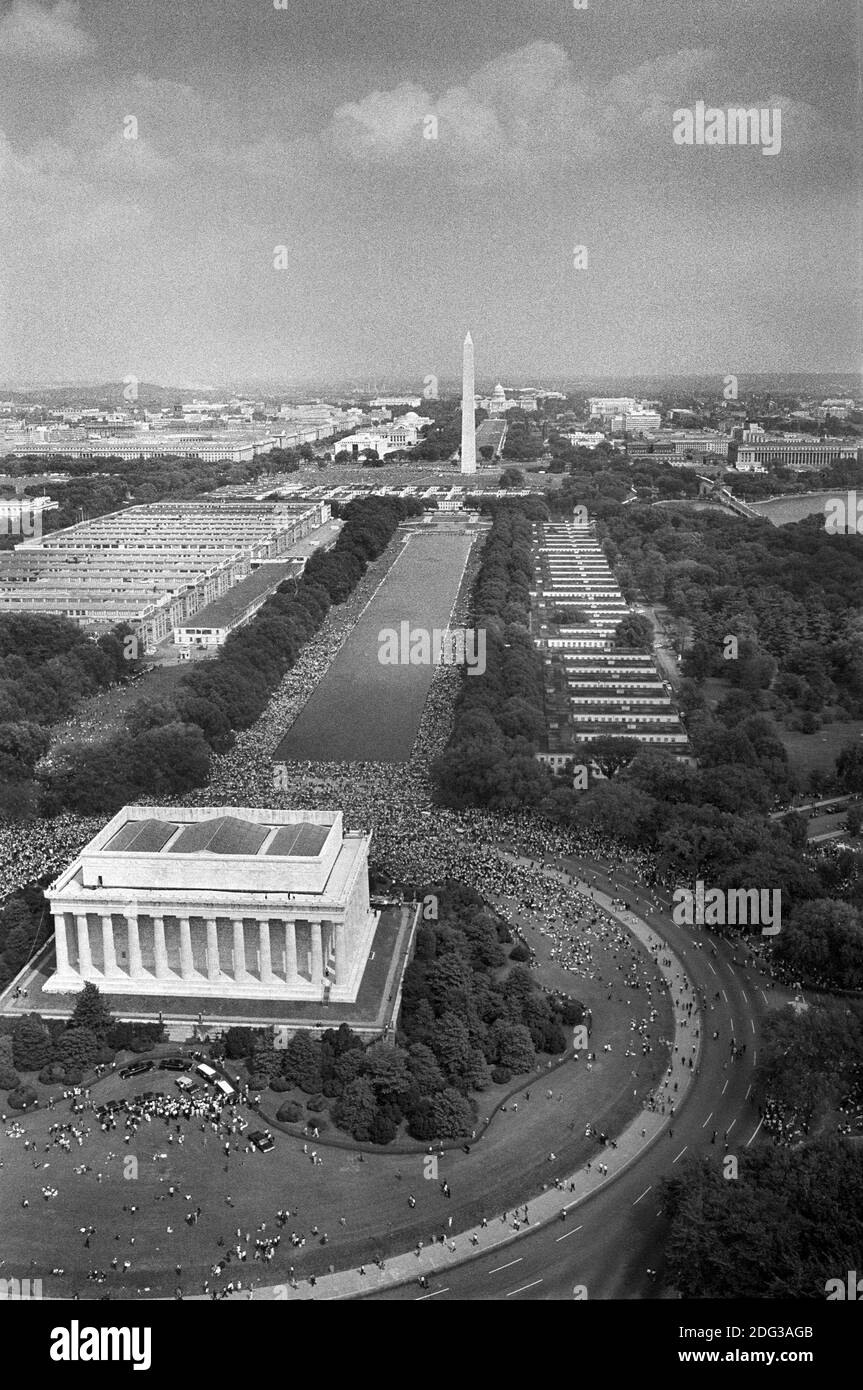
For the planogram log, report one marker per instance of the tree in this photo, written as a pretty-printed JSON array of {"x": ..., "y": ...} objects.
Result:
[
  {"x": 238, "y": 1042},
  {"x": 849, "y": 769},
  {"x": 477, "y": 1076},
  {"x": 9, "y": 1078},
  {"x": 78, "y": 1047},
  {"x": 611, "y": 753},
  {"x": 171, "y": 759},
  {"x": 453, "y": 1115},
  {"x": 810, "y": 1060},
  {"x": 91, "y": 1012},
  {"x": 302, "y": 1062},
  {"x": 449, "y": 984},
  {"x": 511, "y": 478},
  {"x": 514, "y": 1047},
  {"x": 450, "y": 1042},
  {"x": 567, "y": 615},
  {"x": 388, "y": 1073},
  {"x": 356, "y": 1108},
  {"x": 823, "y": 942},
  {"x": 634, "y": 631},
  {"x": 620, "y": 809},
  {"x": 854, "y": 818},
  {"x": 789, "y": 1223},
  {"x": 424, "y": 1069},
  {"x": 264, "y": 1061},
  {"x": 384, "y": 1129},
  {"x": 31, "y": 1043}
]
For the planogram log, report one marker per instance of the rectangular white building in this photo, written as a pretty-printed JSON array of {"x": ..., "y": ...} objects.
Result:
[{"x": 216, "y": 902}]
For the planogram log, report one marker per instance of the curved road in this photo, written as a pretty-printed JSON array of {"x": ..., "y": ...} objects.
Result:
[{"x": 610, "y": 1239}]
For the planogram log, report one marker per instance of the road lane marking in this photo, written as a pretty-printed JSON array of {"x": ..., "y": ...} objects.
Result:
[
  {"x": 731, "y": 1126},
  {"x": 574, "y": 1230},
  {"x": 430, "y": 1295},
  {"x": 507, "y": 1266},
  {"x": 754, "y": 1132},
  {"x": 748, "y": 1089},
  {"x": 724, "y": 1089},
  {"x": 707, "y": 1121},
  {"x": 725, "y": 996},
  {"x": 764, "y": 996},
  {"x": 682, "y": 1152},
  {"x": 523, "y": 1288},
  {"x": 711, "y": 967},
  {"x": 644, "y": 1194},
  {"x": 743, "y": 992}
]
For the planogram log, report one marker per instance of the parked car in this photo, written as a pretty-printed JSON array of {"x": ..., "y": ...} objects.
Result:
[
  {"x": 136, "y": 1069},
  {"x": 173, "y": 1064},
  {"x": 262, "y": 1140}
]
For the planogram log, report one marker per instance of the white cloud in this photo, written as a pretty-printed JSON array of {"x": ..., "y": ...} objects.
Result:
[
  {"x": 33, "y": 33},
  {"x": 52, "y": 204},
  {"x": 383, "y": 123},
  {"x": 529, "y": 110}
]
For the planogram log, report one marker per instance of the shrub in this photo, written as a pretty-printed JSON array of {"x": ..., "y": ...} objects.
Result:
[
  {"x": 317, "y": 1122},
  {"x": 520, "y": 952},
  {"x": 259, "y": 1080},
  {"x": 9, "y": 1078},
  {"x": 316, "y": 1103},
  {"x": 24, "y": 1098},
  {"x": 500, "y": 1075},
  {"x": 279, "y": 1083},
  {"x": 289, "y": 1113},
  {"x": 53, "y": 1074}
]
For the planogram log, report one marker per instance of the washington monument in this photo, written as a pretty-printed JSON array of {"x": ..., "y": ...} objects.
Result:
[{"x": 468, "y": 417}]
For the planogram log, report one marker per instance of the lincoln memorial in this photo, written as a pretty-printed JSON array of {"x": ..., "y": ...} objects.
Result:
[{"x": 216, "y": 901}]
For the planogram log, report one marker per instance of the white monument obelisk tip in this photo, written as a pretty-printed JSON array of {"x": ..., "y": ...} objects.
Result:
[{"x": 468, "y": 416}]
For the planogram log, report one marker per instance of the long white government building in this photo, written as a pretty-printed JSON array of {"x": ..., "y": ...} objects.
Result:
[{"x": 216, "y": 901}]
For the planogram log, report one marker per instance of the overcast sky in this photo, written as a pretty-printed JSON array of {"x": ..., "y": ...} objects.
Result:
[{"x": 307, "y": 128}]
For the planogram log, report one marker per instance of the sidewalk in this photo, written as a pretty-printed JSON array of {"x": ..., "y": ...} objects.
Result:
[{"x": 575, "y": 1187}]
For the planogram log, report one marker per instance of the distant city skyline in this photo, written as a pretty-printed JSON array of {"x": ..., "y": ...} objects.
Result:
[
  {"x": 222, "y": 191},
  {"x": 708, "y": 385}
]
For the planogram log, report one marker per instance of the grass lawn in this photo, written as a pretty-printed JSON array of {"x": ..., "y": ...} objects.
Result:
[
  {"x": 819, "y": 751},
  {"x": 102, "y": 715},
  {"x": 362, "y": 710}
]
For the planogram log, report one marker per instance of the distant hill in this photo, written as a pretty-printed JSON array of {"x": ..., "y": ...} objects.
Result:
[{"x": 110, "y": 395}]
